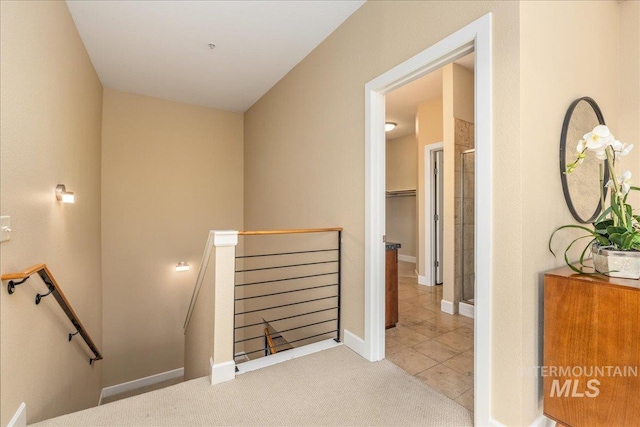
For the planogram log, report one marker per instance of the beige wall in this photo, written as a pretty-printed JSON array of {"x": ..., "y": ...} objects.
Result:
[
  {"x": 51, "y": 119},
  {"x": 430, "y": 131},
  {"x": 170, "y": 173},
  {"x": 304, "y": 151},
  {"x": 554, "y": 32},
  {"x": 401, "y": 171}
]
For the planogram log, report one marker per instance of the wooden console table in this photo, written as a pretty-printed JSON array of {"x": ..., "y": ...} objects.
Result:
[{"x": 591, "y": 372}]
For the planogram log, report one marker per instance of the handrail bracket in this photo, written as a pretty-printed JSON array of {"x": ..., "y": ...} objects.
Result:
[{"x": 11, "y": 286}]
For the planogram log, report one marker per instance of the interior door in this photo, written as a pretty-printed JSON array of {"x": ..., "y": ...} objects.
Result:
[{"x": 438, "y": 163}]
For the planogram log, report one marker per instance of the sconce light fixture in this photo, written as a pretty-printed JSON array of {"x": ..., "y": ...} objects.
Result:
[
  {"x": 183, "y": 266},
  {"x": 64, "y": 196},
  {"x": 389, "y": 126}
]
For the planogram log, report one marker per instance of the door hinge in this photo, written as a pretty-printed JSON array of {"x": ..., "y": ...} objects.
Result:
[
  {"x": 435, "y": 171},
  {"x": 436, "y": 263},
  {"x": 436, "y": 217}
]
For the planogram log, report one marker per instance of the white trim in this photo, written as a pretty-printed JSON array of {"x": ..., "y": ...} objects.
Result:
[
  {"x": 19, "y": 419},
  {"x": 407, "y": 258},
  {"x": 225, "y": 238},
  {"x": 283, "y": 356},
  {"x": 448, "y": 307},
  {"x": 476, "y": 37},
  {"x": 354, "y": 342},
  {"x": 141, "y": 382},
  {"x": 467, "y": 310},
  {"x": 543, "y": 421},
  {"x": 429, "y": 212},
  {"x": 221, "y": 372},
  {"x": 422, "y": 280}
]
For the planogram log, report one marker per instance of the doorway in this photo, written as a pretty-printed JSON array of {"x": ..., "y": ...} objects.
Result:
[{"x": 475, "y": 37}]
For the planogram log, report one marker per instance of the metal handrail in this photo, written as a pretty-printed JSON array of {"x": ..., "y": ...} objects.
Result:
[{"x": 59, "y": 296}]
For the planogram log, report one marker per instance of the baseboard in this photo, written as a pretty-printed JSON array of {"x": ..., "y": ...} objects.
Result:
[
  {"x": 19, "y": 419},
  {"x": 407, "y": 258},
  {"x": 422, "y": 280},
  {"x": 222, "y": 372},
  {"x": 240, "y": 357},
  {"x": 448, "y": 307},
  {"x": 543, "y": 421},
  {"x": 354, "y": 342},
  {"x": 466, "y": 310},
  {"x": 140, "y": 382},
  {"x": 283, "y": 356}
]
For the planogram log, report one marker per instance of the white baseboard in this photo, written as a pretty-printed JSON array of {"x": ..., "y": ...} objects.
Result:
[
  {"x": 283, "y": 356},
  {"x": 140, "y": 382},
  {"x": 466, "y": 310},
  {"x": 422, "y": 280},
  {"x": 407, "y": 258},
  {"x": 543, "y": 421},
  {"x": 19, "y": 419},
  {"x": 354, "y": 342},
  {"x": 448, "y": 307},
  {"x": 222, "y": 372}
]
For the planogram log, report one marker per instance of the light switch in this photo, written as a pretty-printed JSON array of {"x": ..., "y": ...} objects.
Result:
[{"x": 5, "y": 223}]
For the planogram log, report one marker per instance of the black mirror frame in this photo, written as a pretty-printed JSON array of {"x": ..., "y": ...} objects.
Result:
[{"x": 563, "y": 161}]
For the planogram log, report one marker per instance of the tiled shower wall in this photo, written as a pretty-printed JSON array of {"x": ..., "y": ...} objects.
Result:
[{"x": 464, "y": 277}]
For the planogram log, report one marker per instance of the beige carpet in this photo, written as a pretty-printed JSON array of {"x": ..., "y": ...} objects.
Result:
[{"x": 329, "y": 388}]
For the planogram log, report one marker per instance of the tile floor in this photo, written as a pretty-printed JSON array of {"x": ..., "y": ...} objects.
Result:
[{"x": 435, "y": 347}]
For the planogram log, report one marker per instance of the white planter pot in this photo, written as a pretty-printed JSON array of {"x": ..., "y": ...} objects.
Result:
[{"x": 623, "y": 264}]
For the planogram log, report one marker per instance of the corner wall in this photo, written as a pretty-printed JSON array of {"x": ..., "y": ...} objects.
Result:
[
  {"x": 557, "y": 67},
  {"x": 170, "y": 173},
  {"x": 50, "y": 129},
  {"x": 304, "y": 153}
]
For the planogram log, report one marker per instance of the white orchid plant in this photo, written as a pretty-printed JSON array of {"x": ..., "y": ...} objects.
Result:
[{"x": 617, "y": 228}]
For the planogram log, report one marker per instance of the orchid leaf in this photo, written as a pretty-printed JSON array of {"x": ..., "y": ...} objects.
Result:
[{"x": 580, "y": 227}]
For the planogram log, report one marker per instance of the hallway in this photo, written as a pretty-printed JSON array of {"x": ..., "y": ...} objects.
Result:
[{"x": 435, "y": 347}]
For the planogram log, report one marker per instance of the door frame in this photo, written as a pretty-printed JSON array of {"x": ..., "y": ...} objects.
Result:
[
  {"x": 474, "y": 37},
  {"x": 429, "y": 225}
]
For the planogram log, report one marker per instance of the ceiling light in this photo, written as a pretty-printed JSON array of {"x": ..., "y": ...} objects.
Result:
[
  {"x": 212, "y": 46},
  {"x": 389, "y": 126}
]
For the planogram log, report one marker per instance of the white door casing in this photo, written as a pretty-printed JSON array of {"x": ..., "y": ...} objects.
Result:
[{"x": 475, "y": 37}]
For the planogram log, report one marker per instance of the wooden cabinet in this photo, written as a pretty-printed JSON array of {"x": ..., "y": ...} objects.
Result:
[
  {"x": 591, "y": 372},
  {"x": 391, "y": 285}
]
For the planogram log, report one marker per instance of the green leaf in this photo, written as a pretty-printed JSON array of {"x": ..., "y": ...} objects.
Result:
[
  {"x": 615, "y": 230},
  {"x": 580, "y": 227}
]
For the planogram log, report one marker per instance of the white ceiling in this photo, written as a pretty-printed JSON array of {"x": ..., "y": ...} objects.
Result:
[
  {"x": 160, "y": 48},
  {"x": 402, "y": 104}
]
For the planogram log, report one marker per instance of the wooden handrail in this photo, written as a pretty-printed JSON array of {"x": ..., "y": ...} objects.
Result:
[
  {"x": 303, "y": 230},
  {"x": 24, "y": 273},
  {"x": 59, "y": 296},
  {"x": 272, "y": 348}
]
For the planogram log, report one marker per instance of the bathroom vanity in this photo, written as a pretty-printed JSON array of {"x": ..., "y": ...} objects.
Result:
[{"x": 391, "y": 284}]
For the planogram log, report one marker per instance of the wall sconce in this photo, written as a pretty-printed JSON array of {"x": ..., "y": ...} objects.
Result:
[
  {"x": 64, "y": 196},
  {"x": 183, "y": 266}
]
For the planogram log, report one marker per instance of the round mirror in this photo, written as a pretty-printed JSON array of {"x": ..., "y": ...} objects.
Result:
[{"x": 582, "y": 186}]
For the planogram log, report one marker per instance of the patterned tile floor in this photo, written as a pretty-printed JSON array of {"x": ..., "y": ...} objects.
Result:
[{"x": 435, "y": 347}]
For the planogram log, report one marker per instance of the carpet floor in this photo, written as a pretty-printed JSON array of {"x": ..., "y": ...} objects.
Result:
[{"x": 334, "y": 387}]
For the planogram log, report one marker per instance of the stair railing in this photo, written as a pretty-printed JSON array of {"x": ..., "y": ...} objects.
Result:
[
  {"x": 18, "y": 278},
  {"x": 294, "y": 285}
]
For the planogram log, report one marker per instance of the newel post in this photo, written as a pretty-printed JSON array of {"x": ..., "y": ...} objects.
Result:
[{"x": 223, "y": 367}]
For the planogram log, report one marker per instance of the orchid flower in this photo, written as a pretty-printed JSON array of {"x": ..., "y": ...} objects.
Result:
[
  {"x": 621, "y": 149},
  {"x": 623, "y": 181},
  {"x": 599, "y": 138}
]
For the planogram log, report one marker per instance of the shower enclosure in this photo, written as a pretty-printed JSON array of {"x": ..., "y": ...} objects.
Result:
[{"x": 467, "y": 231}]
